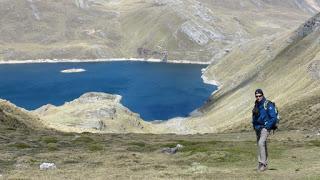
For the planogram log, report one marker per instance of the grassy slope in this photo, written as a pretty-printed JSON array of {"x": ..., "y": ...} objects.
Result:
[
  {"x": 25, "y": 144},
  {"x": 14, "y": 117},
  {"x": 60, "y": 29},
  {"x": 138, "y": 156},
  {"x": 278, "y": 66}
]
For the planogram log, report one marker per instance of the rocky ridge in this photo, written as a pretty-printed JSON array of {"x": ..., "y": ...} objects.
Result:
[
  {"x": 198, "y": 30},
  {"x": 93, "y": 112}
]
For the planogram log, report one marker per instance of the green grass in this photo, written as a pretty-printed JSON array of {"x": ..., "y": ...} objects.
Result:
[
  {"x": 71, "y": 162},
  {"x": 140, "y": 144},
  {"x": 52, "y": 146},
  {"x": 133, "y": 155},
  {"x": 20, "y": 145},
  {"x": 315, "y": 143},
  {"x": 6, "y": 163},
  {"x": 217, "y": 153},
  {"x": 95, "y": 147},
  {"x": 145, "y": 148},
  {"x": 49, "y": 139},
  {"x": 194, "y": 147},
  {"x": 83, "y": 140}
]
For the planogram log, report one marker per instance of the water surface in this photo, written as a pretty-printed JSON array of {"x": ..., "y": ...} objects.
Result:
[{"x": 157, "y": 91}]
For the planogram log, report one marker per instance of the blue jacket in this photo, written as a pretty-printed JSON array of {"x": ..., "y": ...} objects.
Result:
[{"x": 267, "y": 118}]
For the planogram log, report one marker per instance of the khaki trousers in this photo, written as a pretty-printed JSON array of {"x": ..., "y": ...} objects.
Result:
[{"x": 262, "y": 146}]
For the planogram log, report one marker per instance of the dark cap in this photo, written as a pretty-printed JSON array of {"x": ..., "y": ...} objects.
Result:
[{"x": 258, "y": 91}]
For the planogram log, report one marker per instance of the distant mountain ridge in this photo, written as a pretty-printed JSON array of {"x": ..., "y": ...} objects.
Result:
[{"x": 194, "y": 30}]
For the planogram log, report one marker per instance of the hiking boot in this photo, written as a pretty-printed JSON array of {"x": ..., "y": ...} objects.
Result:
[
  {"x": 259, "y": 166},
  {"x": 263, "y": 167}
]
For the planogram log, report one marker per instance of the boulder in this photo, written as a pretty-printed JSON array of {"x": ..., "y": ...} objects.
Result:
[
  {"x": 174, "y": 150},
  {"x": 47, "y": 166}
]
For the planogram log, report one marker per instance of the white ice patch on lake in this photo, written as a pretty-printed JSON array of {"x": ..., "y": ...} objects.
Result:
[{"x": 73, "y": 70}]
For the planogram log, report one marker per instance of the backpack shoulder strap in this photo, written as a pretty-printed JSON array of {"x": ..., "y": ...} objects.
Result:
[{"x": 265, "y": 104}]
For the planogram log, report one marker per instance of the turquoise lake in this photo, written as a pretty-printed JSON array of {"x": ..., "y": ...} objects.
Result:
[{"x": 157, "y": 91}]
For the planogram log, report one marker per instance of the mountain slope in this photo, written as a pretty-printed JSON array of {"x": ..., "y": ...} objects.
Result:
[
  {"x": 86, "y": 29},
  {"x": 14, "y": 117},
  {"x": 286, "y": 68}
]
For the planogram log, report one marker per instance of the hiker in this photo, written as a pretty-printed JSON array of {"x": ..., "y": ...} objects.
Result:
[{"x": 264, "y": 117}]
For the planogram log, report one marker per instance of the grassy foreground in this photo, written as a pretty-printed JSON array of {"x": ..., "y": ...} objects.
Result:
[{"x": 293, "y": 155}]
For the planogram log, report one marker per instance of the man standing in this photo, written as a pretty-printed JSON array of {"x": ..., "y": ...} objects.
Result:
[{"x": 264, "y": 117}]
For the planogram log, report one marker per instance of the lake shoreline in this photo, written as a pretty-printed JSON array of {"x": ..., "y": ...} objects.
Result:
[
  {"x": 100, "y": 60},
  {"x": 205, "y": 79},
  {"x": 102, "y": 77}
]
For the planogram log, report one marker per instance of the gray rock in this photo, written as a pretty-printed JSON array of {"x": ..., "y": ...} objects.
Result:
[
  {"x": 47, "y": 166},
  {"x": 83, "y": 4},
  {"x": 203, "y": 12},
  {"x": 92, "y": 97},
  {"x": 101, "y": 113},
  {"x": 194, "y": 33},
  {"x": 305, "y": 6},
  {"x": 314, "y": 70},
  {"x": 308, "y": 136},
  {"x": 35, "y": 10},
  {"x": 214, "y": 35},
  {"x": 174, "y": 150},
  {"x": 313, "y": 24},
  {"x": 166, "y": 2},
  {"x": 101, "y": 125}
]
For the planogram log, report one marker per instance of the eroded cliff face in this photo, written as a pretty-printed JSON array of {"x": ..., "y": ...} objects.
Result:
[{"x": 198, "y": 30}]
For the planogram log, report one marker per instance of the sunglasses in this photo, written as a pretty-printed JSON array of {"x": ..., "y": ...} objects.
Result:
[{"x": 258, "y": 96}]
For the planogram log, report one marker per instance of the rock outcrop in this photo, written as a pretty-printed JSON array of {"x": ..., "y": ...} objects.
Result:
[
  {"x": 194, "y": 33},
  {"x": 83, "y": 4},
  {"x": 94, "y": 112}
]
